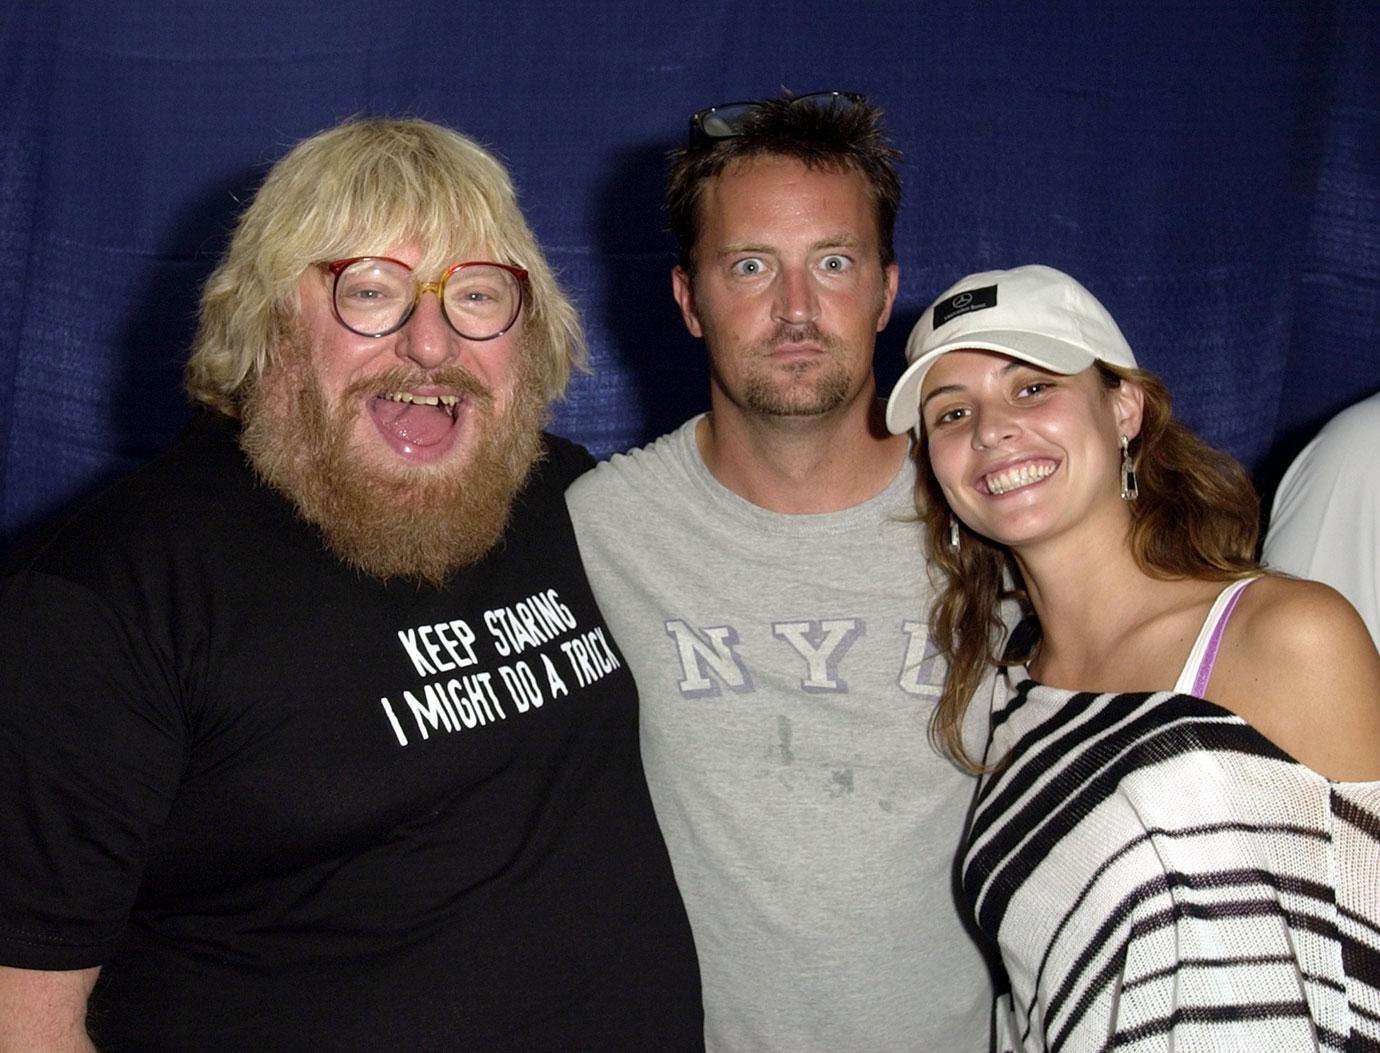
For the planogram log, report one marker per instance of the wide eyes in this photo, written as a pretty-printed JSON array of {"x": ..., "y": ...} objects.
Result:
[{"x": 755, "y": 266}]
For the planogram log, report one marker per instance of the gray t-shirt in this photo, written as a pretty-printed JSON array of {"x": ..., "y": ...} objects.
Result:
[{"x": 786, "y": 681}]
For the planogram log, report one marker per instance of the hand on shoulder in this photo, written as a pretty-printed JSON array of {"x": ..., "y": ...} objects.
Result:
[{"x": 1298, "y": 663}]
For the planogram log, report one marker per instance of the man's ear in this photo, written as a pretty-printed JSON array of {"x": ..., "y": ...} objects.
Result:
[
  {"x": 683, "y": 289},
  {"x": 1128, "y": 399},
  {"x": 891, "y": 276}
]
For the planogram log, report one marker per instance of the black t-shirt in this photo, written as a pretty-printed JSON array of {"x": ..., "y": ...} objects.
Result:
[{"x": 284, "y": 805}]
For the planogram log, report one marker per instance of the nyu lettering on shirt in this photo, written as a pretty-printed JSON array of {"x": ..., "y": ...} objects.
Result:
[{"x": 786, "y": 679}]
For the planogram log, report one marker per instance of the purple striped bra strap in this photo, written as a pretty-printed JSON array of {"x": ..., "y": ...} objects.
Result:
[{"x": 1198, "y": 669}]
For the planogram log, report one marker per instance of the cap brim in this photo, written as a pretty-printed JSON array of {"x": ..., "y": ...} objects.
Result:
[
  {"x": 1057, "y": 356},
  {"x": 903, "y": 404}
]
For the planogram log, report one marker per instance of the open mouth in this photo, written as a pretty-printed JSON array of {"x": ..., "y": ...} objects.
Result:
[
  {"x": 416, "y": 421},
  {"x": 1017, "y": 476}
]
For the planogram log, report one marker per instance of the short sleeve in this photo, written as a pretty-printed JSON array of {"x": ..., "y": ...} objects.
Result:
[{"x": 92, "y": 743}]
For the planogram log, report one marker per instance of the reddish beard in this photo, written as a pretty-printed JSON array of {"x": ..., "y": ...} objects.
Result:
[{"x": 418, "y": 522}]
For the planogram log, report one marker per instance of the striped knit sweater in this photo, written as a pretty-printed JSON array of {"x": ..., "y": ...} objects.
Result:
[{"x": 1157, "y": 875}]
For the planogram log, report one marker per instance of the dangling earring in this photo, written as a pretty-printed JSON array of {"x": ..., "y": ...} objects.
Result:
[
  {"x": 953, "y": 532},
  {"x": 1129, "y": 490}
]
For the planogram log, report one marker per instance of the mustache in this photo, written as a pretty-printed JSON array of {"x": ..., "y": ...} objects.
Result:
[
  {"x": 797, "y": 333},
  {"x": 402, "y": 378}
]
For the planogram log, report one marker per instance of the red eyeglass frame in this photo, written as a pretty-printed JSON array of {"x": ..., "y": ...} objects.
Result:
[{"x": 338, "y": 267}]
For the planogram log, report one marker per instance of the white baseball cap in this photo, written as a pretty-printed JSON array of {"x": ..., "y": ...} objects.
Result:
[{"x": 1033, "y": 313}]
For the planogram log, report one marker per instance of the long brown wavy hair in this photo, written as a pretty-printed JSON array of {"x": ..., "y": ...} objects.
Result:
[{"x": 1197, "y": 517}]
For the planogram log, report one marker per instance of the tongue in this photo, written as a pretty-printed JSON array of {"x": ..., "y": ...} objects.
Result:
[{"x": 418, "y": 425}]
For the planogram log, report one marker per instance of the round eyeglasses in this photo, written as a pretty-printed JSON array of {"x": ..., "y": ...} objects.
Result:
[
  {"x": 726, "y": 120},
  {"x": 375, "y": 296}
]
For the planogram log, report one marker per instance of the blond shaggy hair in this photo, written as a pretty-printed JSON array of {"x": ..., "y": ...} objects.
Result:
[{"x": 354, "y": 190}]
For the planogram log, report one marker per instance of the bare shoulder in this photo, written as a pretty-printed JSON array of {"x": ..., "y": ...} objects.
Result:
[
  {"x": 1282, "y": 620},
  {"x": 1298, "y": 663}
]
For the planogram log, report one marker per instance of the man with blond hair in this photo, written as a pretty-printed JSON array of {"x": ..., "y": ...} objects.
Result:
[{"x": 311, "y": 733}]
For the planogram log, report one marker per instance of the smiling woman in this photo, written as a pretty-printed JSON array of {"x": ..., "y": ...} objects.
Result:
[
  {"x": 1177, "y": 836},
  {"x": 1061, "y": 476}
]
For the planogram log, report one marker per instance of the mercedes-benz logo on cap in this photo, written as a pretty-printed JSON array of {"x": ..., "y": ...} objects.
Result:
[{"x": 964, "y": 303}]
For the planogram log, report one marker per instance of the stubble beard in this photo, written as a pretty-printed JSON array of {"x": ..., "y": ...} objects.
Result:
[
  {"x": 417, "y": 522},
  {"x": 801, "y": 389}
]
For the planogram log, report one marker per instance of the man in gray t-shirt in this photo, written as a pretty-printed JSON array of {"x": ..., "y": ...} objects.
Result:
[{"x": 763, "y": 574}]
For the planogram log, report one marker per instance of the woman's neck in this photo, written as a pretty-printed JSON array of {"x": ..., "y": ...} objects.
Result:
[{"x": 1090, "y": 595}]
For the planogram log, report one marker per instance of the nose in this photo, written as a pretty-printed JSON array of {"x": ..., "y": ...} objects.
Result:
[
  {"x": 995, "y": 424},
  {"x": 796, "y": 297},
  {"x": 427, "y": 339}
]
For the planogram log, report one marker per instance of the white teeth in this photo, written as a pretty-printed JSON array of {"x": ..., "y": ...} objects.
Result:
[
  {"x": 1014, "y": 478},
  {"x": 421, "y": 400}
]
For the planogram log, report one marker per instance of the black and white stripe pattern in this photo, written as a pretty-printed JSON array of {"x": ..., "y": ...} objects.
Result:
[{"x": 1158, "y": 875}]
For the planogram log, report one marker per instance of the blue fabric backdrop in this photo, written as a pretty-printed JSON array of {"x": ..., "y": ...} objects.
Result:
[{"x": 1210, "y": 169}]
